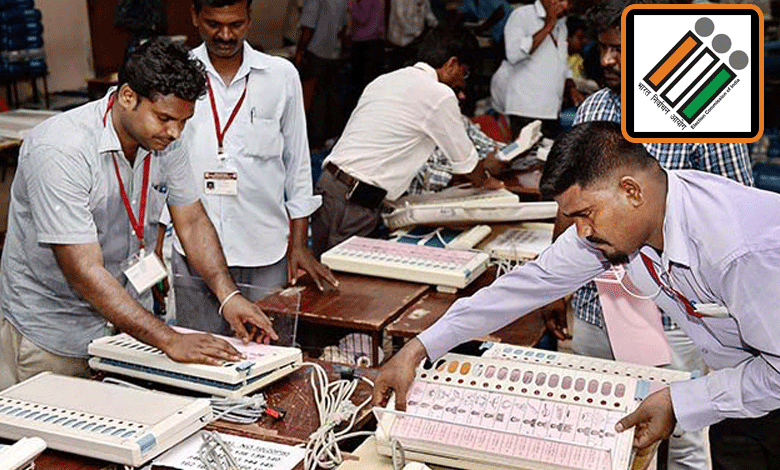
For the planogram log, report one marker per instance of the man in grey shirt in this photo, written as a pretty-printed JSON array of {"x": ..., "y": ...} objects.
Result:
[{"x": 89, "y": 188}]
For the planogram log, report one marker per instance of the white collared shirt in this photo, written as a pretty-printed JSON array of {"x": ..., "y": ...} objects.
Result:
[
  {"x": 721, "y": 246},
  {"x": 531, "y": 84},
  {"x": 268, "y": 148},
  {"x": 400, "y": 118}
]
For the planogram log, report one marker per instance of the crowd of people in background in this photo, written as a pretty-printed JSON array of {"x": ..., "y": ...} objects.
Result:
[{"x": 343, "y": 45}]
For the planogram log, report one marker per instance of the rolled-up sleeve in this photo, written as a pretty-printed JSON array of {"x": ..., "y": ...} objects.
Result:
[
  {"x": 300, "y": 200},
  {"x": 517, "y": 34},
  {"x": 560, "y": 269},
  {"x": 309, "y": 13},
  {"x": 751, "y": 388},
  {"x": 59, "y": 185}
]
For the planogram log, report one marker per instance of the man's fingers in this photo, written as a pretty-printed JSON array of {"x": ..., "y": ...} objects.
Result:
[
  {"x": 378, "y": 396},
  {"x": 400, "y": 397},
  {"x": 628, "y": 421}
]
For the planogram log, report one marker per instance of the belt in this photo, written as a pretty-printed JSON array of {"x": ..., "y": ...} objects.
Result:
[{"x": 364, "y": 194}]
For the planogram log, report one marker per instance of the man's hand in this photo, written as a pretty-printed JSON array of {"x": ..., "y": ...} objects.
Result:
[
  {"x": 556, "y": 10},
  {"x": 398, "y": 374},
  {"x": 200, "y": 348},
  {"x": 554, "y": 315},
  {"x": 493, "y": 165},
  {"x": 654, "y": 419},
  {"x": 301, "y": 258},
  {"x": 239, "y": 312}
]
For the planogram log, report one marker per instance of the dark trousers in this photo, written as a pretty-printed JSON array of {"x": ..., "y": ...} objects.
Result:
[
  {"x": 337, "y": 218},
  {"x": 368, "y": 62},
  {"x": 746, "y": 444}
]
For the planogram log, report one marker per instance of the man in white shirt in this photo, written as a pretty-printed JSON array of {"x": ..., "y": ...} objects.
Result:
[
  {"x": 705, "y": 248},
  {"x": 530, "y": 82},
  {"x": 247, "y": 142},
  {"x": 400, "y": 118}
]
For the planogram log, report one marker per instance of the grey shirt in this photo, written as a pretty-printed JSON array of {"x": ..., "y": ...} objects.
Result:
[
  {"x": 66, "y": 192},
  {"x": 327, "y": 19}
]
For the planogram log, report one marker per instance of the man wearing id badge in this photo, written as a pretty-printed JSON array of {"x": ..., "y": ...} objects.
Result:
[
  {"x": 249, "y": 151},
  {"x": 703, "y": 247},
  {"x": 90, "y": 186}
]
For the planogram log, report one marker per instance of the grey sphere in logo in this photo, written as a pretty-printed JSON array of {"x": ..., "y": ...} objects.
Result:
[
  {"x": 738, "y": 60},
  {"x": 704, "y": 27},
  {"x": 721, "y": 43}
]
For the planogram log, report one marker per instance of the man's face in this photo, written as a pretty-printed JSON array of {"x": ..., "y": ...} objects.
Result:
[
  {"x": 223, "y": 29},
  {"x": 609, "y": 49},
  {"x": 454, "y": 75},
  {"x": 156, "y": 124},
  {"x": 559, "y": 8},
  {"x": 605, "y": 218}
]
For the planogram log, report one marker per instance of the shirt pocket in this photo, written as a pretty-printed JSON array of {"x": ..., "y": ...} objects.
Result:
[{"x": 264, "y": 139}]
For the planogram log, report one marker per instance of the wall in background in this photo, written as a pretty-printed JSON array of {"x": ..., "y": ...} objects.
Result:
[{"x": 67, "y": 42}]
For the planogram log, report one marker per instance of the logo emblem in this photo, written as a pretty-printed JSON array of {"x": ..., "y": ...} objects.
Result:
[{"x": 692, "y": 73}]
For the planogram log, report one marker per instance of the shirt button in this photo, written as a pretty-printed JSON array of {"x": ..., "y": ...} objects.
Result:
[{"x": 704, "y": 351}]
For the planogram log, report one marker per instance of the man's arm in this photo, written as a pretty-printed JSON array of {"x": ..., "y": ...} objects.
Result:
[
  {"x": 559, "y": 270},
  {"x": 204, "y": 253},
  {"x": 83, "y": 267},
  {"x": 308, "y": 21},
  {"x": 299, "y": 256},
  {"x": 300, "y": 201}
]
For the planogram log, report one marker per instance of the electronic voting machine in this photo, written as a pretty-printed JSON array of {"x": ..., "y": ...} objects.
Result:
[
  {"x": 520, "y": 408},
  {"x": 459, "y": 205},
  {"x": 104, "y": 421},
  {"x": 125, "y": 355},
  {"x": 21, "y": 455}
]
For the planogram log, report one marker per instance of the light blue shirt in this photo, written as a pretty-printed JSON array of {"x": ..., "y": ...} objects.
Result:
[
  {"x": 721, "y": 246},
  {"x": 66, "y": 192},
  {"x": 266, "y": 145}
]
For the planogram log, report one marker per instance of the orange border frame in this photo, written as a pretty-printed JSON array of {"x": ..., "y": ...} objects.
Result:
[{"x": 677, "y": 140}]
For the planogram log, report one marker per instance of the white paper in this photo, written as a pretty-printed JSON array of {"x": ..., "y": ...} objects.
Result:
[{"x": 250, "y": 454}]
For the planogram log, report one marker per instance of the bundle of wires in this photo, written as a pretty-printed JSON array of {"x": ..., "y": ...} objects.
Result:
[{"x": 334, "y": 407}]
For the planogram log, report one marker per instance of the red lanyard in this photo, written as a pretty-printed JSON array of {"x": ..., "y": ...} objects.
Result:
[
  {"x": 138, "y": 225},
  {"x": 221, "y": 133},
  {"x": 687, "y": 303}
]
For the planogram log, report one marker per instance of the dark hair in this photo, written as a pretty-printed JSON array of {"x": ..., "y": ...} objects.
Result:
[
  {"x": 441, "y": 43},
  {"x": 162, "y": 67},
  {"x": 607, "y": 14},
  {"x": 586, "y": 154},
  {"x": 199, "y": 4},
  {"x": 574, "y": 24}
]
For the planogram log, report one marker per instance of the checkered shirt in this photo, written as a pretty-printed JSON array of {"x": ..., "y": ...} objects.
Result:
[{"x": 436, "y": 174}]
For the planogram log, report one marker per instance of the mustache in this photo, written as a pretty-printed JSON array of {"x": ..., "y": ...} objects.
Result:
[
  {"x": 596, "y": 240},
  {"x": 225, "y": 43}
]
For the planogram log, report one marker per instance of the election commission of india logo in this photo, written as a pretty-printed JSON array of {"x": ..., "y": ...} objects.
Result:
[{"x": 692, "y": 73}]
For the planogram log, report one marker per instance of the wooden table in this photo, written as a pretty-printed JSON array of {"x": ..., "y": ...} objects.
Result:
[
  {"x": 292, "y": 393},
  {"x": 526, "y": 331},
  {"x": 361, "y": 303}
]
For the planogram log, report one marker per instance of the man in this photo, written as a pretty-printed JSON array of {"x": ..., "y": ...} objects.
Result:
[
  {"x": 687, "y": 237},
  {"x": 530, "y": 82},
  {"x": 400, "y": 118},
  {"x": 729, "y": 160},
  {"x": 323, "y": 24},
  {"x": 88, "y": 192},
  {"x": 407, "y": 21},
  {"x": 250, "y": 129}
]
